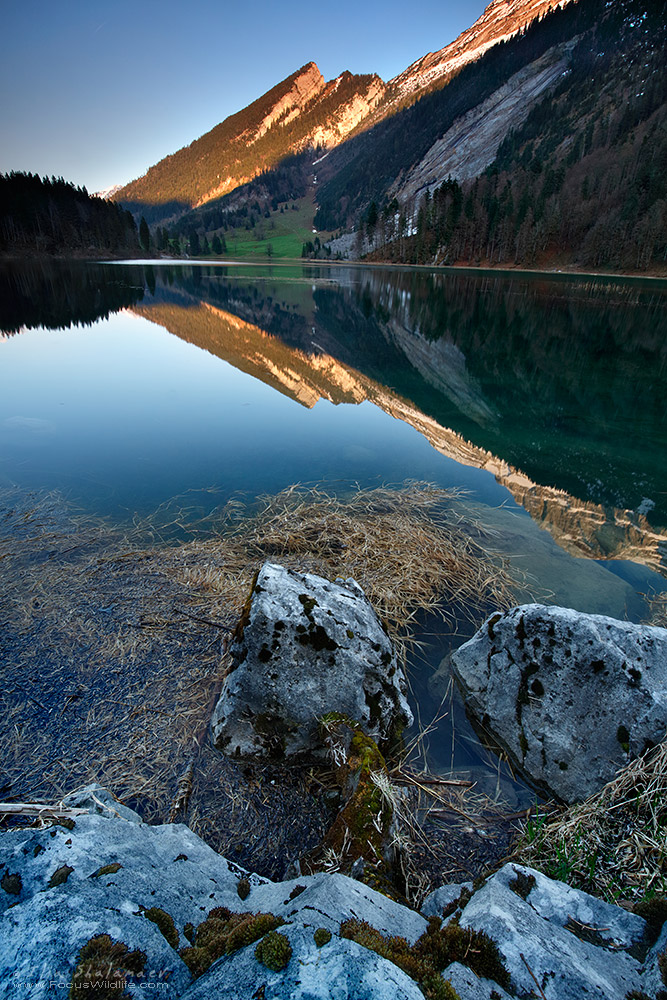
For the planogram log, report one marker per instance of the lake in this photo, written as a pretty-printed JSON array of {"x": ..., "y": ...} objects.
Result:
[{"x": 543, "y": 397}]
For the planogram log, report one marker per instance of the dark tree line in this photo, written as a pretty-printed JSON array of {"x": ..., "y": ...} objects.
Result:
[
  {"x": 60, "y": 294},
  {"x": 51, "y": 216}
]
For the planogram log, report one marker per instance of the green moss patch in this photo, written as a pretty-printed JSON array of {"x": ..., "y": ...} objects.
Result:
[
  {"x": 105, "y": 965},
  {"x": 361, "y": 829},
  {"x": 11, "y": 883},
  {"x": 321, "y": 937},
  {"x": 60, "y": 876},
  {"x": 434, "y": 951},
  {"x": 165, "y": 924},
  {"x": 274, "y": 951},
  {"x": 224, "y": 932},
  {"x": 107, "y": 870}
]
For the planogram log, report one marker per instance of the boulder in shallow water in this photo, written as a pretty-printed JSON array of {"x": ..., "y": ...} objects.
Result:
[
  {"x": 572, "y": 697},
  {"x": 306, "y": 647}
]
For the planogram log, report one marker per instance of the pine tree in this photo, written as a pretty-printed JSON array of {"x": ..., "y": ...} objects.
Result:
[{"x": 144, "y": 234}]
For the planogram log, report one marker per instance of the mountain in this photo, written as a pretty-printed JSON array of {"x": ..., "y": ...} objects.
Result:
[
  {"x": 537, "y": 138},
  {"x": 562, "y": 164},
  {"x": 300, "y": 112},
  {"x": 369, "y": 166},
  {"x": 501, "y": 20},
  {"x": 305, "y": 111}
]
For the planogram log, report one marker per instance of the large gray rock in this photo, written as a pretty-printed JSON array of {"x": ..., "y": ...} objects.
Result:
[
  {"x": 441, "y": 901},
  {"x": 63, "y": 885},
  {"x": 99, "y": 800},
  {"x": 574, "y": 944},
  {"x": 470, "y": 987},
  {"x": 572, "y": 697},
  {"x": 307, "y": 647},
  {"x": 652, "y": 979},
  {"x": 340, "y": 970}
]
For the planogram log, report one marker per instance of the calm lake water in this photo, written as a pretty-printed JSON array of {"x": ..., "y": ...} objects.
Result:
[{"x": 545, "y": 398}]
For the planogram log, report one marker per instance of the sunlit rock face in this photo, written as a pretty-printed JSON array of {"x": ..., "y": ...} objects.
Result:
[
  {"x": 471, "y": 144},
  {"x": 306, "y": 647},
  {"x": 572, "y": 697},
  {"x": 349, "y": 114},
  {"x": 500, "y": 20},
  {"x": 307, "y": 85}
]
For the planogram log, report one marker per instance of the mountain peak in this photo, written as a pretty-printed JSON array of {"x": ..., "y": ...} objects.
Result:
[{"x": 501, "y": 19}]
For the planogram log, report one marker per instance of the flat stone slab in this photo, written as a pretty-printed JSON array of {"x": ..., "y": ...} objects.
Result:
[
  {"x": 64, "y": 884},
  {"x": 306, "y": 647},
  {"x": 572, "y": 697}
]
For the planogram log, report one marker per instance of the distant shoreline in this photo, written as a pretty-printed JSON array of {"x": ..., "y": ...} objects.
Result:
[{"x": 566, "y": 272}]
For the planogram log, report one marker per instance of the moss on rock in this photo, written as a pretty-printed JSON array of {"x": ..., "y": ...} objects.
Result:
[
  {"x": 274, "y": 951},
  {"x": 164, "y": 923},
  {"x": 437, "y": 948},
  {"x": 104, "y": 965},
  {"x": 222, "y": 933}
]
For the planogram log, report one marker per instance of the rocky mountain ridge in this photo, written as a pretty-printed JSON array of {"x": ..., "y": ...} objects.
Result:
[
  {"x": 304, "y": 110},
  {"x": 501, "y": 20}
]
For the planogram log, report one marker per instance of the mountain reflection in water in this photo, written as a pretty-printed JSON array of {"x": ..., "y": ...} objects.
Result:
[{"x": 555, "y": 387}]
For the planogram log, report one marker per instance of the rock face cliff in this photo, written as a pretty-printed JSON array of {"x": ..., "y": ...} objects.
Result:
[
  {"x": 306, "y": 85},
  {"x": 501, "y": 20},
  {"x": 471, "y": 144}
]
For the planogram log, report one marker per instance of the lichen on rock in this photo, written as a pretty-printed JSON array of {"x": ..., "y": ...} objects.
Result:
[{"x": 306, "y": 644}]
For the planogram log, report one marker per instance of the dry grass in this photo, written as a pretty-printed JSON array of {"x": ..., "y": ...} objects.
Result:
[
  {"x": 111, "y": 640},
  {"x": 657, "y": 604},
  {"x": 411, "y": 549},
  {"x": 615, "y": 843}
]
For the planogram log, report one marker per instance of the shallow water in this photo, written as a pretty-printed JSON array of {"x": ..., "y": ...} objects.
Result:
[{"x": 123, "y": 386}]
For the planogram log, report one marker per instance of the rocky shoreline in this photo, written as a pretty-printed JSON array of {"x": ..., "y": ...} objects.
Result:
[{"x": 92, "y": 897}]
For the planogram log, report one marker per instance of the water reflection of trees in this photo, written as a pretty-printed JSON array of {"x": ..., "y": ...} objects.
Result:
[
  {"x": 57, "y": 296},
  {"x": 570, "y": 376}
]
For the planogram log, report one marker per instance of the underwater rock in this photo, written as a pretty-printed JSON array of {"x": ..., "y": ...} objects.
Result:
[
  {"x": 572, "y": 697},
  {"x": 305, "y": 647},
  {"x": 100, "y": 801}
]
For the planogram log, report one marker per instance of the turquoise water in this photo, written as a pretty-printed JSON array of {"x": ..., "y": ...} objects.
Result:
[{"x": 122, "y": 386}]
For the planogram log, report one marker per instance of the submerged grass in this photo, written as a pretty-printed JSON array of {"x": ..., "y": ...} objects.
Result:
[
  {"x": 615, "y": 843},
  {"x": 412, "y": 549},
  {"x": 112, "y": 640}
]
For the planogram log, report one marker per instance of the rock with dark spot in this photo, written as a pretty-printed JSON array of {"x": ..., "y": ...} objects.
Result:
[
  {"x": 329, "y": 653},
  {"x": 572, "y": 718}
]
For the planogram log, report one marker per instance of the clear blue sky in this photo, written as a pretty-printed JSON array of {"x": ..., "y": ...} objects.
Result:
[{"x": 99, "y": 91}]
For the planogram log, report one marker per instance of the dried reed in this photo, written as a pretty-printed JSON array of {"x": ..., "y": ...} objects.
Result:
[{"x": 111, "y": 639}]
